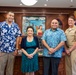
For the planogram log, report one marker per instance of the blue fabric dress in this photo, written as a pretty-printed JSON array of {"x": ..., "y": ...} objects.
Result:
[{"x": 29, "y": 65}]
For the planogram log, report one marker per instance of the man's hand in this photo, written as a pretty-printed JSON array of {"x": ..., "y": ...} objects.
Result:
[
  {"x": 67, "y": 52},
  {"x": 51, "y": 50},
  {"x": 15, "y": 52}
]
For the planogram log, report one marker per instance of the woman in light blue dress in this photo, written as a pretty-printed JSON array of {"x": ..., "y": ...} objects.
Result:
[{"x": 29, "y": 49}]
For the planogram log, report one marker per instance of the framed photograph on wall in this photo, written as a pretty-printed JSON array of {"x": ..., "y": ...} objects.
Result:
[{"x": 38, "y": 23}]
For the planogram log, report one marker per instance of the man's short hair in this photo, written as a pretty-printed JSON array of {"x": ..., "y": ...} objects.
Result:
[
  {"x": 72, "y": 17},
  {"x": 10, "y": 12}
]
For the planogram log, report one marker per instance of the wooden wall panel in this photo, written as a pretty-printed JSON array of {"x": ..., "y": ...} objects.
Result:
[
  {"x": 18, "y": 19},
  {"x": 2, "y": 17},
  {"x": 49, "y": 13}
]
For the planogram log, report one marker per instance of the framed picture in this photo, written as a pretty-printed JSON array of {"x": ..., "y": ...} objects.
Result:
[{"x": 38, "y": 23}]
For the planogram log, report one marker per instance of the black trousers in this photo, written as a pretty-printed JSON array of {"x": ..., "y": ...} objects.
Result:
[{"x": 53, "y": 62}]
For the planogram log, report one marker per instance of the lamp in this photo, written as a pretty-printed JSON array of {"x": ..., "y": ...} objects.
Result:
[{"x": 29, "y": 2}]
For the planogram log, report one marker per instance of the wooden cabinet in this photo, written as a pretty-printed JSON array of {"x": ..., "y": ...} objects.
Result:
[
  {"x": 17, "y": 66},
  {"x": 61, "y": 69},
  {"x": 40, "y": 71}
]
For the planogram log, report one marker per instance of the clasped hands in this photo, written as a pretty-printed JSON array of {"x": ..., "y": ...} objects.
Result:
[
  {"x": 68, "y": 52},
  {"x": 30, "y": 56},
  {"x": 51, "y": 50}
]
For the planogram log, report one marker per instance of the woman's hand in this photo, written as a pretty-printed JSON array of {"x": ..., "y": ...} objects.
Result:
[{"x": 30, "y": 56}]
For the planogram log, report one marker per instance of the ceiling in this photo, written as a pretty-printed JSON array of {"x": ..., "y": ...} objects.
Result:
[{"x": 41, "y": 3}]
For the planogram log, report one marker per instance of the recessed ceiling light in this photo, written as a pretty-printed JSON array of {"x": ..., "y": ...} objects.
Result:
[
  {"x": 29, "y": 2},
  {"x": 71, "y": 0},
  {"x": 46, "y": 0},
  {"x": 45, "y": 4},
  {"x": 20, "y": 4}
]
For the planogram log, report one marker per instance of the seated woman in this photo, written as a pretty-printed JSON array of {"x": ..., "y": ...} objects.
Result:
[{"x": 29, "y": 45}]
